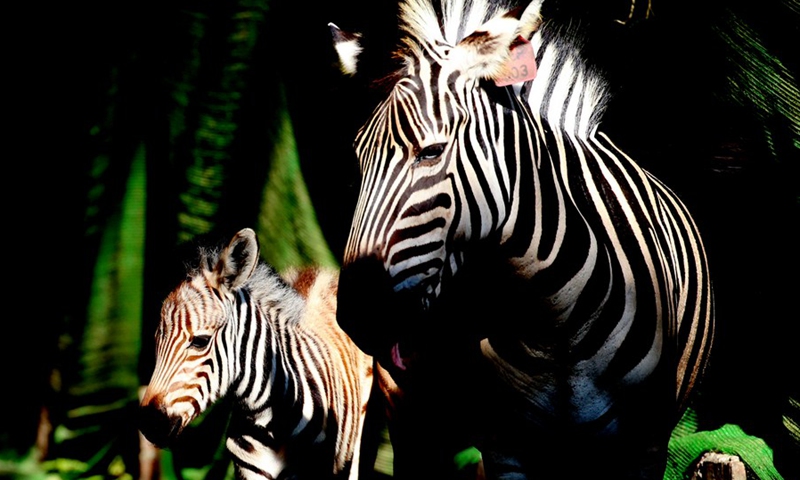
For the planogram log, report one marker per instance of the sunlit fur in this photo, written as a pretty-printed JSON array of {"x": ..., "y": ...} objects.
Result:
[
  {"x": 616, "y": 317},
  {"x": 300, "y": 385}
]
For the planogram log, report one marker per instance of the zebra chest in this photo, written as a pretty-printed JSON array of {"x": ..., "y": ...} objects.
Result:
[
  {"x": 254, "y": 459},
  {"x": 265, "y": 447}
]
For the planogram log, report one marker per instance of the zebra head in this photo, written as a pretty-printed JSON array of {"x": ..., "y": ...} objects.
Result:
[
  {"x": 438, "y": 162},
  {"x": 194, "y": 367}
]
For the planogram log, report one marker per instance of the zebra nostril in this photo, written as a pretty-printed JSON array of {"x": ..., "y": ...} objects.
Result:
[{"x": 158, "y": 426}]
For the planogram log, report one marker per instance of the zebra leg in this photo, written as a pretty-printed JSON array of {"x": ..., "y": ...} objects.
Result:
[
  {"x": 632, "y": 445},
  {"x": 418, "y": 441},
  {"x": 426, "y": 425},
  {"x": 372, "y": 431},
  {"x": 560, "y": 458}
]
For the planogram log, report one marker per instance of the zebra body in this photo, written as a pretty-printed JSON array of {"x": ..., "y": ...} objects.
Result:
[
  {"x": 235, "y": 327},
  {"x": 580, "y": 278}
]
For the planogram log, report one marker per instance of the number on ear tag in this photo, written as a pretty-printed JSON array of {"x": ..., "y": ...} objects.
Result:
[{"x": 521, "y": 64}]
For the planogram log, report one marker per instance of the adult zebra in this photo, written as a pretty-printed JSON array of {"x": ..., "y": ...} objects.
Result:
[
  {"x": 508, "y": 262},
  {"x": 234, "y": 327}
]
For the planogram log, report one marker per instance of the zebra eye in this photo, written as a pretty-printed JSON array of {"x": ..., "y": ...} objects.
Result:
[
  {"x": 430, "y": 153},
  {"x": 200, "y": 341}
]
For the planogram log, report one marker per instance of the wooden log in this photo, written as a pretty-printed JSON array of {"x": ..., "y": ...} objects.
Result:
[{"x": 719, "y": 466}]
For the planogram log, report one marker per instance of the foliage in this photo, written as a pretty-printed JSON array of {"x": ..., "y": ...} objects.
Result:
[
  {"x": 688, "y": 443},
  {"x": 183, "y": 131}
]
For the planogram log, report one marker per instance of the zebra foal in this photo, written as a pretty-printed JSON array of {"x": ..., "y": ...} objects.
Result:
[
  {"x": 507, "y": 262},
  {"x": 235, "y": 327}
]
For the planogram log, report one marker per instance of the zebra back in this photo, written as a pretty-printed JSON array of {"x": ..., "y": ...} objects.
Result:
[{"x": 235, "y": 327}]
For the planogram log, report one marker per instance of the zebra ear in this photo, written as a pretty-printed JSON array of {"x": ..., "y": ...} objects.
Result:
[
  {"x": 484, "y": 52},
  {"x": 238, "y": 260},
  {"x": 530, "y": 20},
  {"x": 348, "y": 47}
]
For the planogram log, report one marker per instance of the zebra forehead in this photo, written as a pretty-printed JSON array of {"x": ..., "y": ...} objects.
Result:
[
  {"x": 193, "y": 300},
  {"x": 411, "y": 98}
]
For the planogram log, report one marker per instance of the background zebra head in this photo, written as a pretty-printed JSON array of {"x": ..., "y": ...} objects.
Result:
[
  {"x": 194, "y": 340},
  {"x": 438, "y": 161}
]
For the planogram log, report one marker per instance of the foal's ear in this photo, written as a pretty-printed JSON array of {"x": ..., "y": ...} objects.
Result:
[
  {"x": 483, "y": 53},
  {"x": 238, "y": 260},
  {"x": 348, "y": 48}
]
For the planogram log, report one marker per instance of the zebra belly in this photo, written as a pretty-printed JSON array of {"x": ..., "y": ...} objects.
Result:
[
  {"x": 548, "y": 394},
  {"x": 543, "y": 419}
]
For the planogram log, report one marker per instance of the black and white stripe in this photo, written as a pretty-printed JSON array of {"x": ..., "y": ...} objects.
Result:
[
  {"x": 599, "y": 275},
  {"x": 234, "y": 327}
]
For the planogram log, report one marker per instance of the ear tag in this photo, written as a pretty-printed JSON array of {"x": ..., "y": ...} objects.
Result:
[{"x": 520, "y": 66}]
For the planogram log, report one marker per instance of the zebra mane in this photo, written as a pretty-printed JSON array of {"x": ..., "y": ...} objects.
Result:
[
  {"x": 560, "y": 53},
  {"x": 444, "y": 24},
  {"x": 270, "y": 289}
]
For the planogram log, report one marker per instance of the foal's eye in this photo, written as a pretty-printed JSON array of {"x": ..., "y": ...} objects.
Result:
[
  {"x": 200, "y": 341},
  {"x": 430, "y": 153}
]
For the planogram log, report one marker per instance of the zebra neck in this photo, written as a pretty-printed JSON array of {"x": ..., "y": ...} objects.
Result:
[
  {"x": 563, "y": 106},
  {"x": 270, "y": 387},
  {"x": 278, "y": 411},
  {"x": 266, "y": 370},
  {"x": 266, "y": 374}
]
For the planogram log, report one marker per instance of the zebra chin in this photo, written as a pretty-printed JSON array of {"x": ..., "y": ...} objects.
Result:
[
  {"x": 371, "y": 312},
  {"x": 158, "y": 427}
]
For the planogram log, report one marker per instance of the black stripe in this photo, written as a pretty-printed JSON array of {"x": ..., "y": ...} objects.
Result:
[
  {"x": 416, "y": 231},
  {"x": 416, "y": 251}
]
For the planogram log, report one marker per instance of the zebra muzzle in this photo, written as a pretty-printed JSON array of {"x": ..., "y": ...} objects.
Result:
[
  {"x": 367, "y": 309},
  {"x": 160, "y": 428}
]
